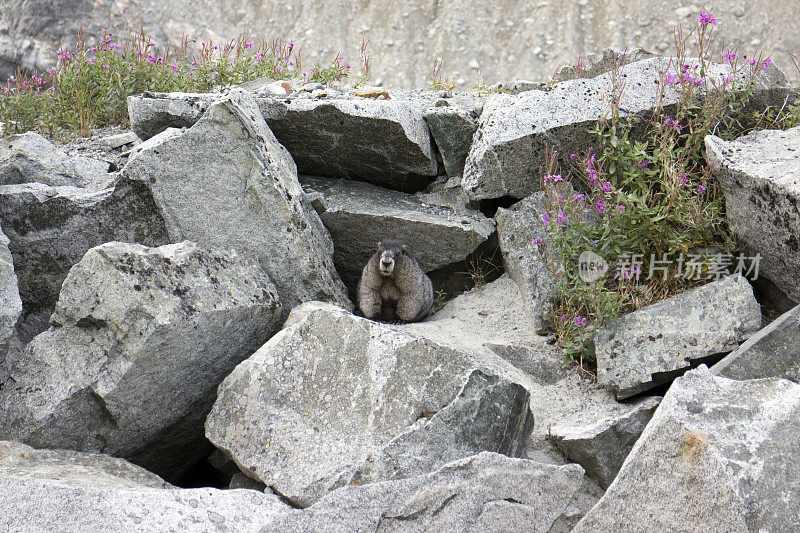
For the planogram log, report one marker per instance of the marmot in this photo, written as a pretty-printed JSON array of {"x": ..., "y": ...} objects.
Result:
[{"x": 393, "y": 286}]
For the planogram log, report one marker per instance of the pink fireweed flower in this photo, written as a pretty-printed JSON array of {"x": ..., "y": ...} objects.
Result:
[
  {"x": 91, "y": 61},
  {"x": 106, "y": 67},
  {"x": 563, "y": 317},
  {"x": 701, "y": 188},
  {"x": 729, "y": 56},
  {"x": 173, "y": 66},
  {"x": 64, "y": 54},
  {"x": 606, "y": 187},
  {"x": 151, "y": 58},
  {"x": 671, "y": 124},
  {"x": 573, "y": 156},
  {"x": 752, "y": 62},
  {"x": 561, "y": 218},
  {"x": 546, "y": 219},
  {"x": 248, "y": 44},
  {"x": 537, "y": 241},
  {"x": 553, "y": 177},
  {"x": 670, "y": 79},
  {"x": 767, "y": 62},
  {"x": 621, "y": 208},
  {"x": 706, "y": 18},
  {"x": 600, "y": 205},
  {"x": 579, "y": 197}
]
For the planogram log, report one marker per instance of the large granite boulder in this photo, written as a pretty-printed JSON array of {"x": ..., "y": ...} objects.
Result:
[
  {"x": 141, "y": 339},
  {"x": 601, "y": 446},
  {"x": 773, "y": 352},
  {"x": 530, "y": 264},
  {"x": 335, "y": 399},
  {"x": 30, "y": 158},
  {"x": 384, "y": 142},
  {"x": 10, "y": 302},
  {"x": 759, "y": 174},
  {"x": 226, "y": 181},
  {"x": 718, "y": 455},
  {"x": 359, "y": 215},
  {"x": 485, "y": 492},
  {"x": 65, "y": 491},
  {"x": 51, "y": 228},
  {"x": 515, "y": 131},
  {"x": 656, "y": 343}
]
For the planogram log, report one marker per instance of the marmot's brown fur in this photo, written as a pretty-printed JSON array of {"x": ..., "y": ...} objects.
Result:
[{"x": 393, "y": 286}]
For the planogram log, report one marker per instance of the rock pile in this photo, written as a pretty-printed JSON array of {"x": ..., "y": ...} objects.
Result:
[{"x": 185, "y": 300}]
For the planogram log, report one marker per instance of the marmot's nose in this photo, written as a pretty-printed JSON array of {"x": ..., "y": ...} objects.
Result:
[{"x": 386, "y": 263}]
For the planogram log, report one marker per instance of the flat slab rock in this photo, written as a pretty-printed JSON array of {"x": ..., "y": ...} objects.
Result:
[
  {"x": 30, "y": 158},
  {"x": 759, "y": 174},
  {"x": 718, "y": 455},
  {"x": 51, "y": 228},
  {"x": 384, "y": 142},
  {"x": 335, "y": 399},
  {"x": 515, "y": 131},
  {"x": 485, "y": 492},
  {"x": 141, "y": 339},
  {"x": 650, "y": 346},
  {"x": 773, "y": 352},
  {"x": 44, "y": 490},
  {"x": 359, "y": 215},
  {"x": 453, "y": 122},
  {"x": 227, "y": 182}
]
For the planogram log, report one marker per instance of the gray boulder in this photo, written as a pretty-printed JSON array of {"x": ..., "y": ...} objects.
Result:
[
  {"x": 759, "y": 174},
  {"x": 227, "y": 182},
  {"x": 359, "y": 215},
  {"x": 485, "y": 492},
  {"x": 335, "y": 399},
  {"x": 141, "y": 339},
  {"x": 531, "y": 265},
  {"x": 601, "y": 446},
  {"x": 654, "y": 344},
  {"x": 453, "y": 122},
  {"x": 773, "y": 352},
  {"x": 10, "y": 302},
  {"x": 30, "y": 158},
  {"x": 51, "y": 228},
  {"x": 596, "y": 64},
  {"x": 151, "y": 113},
  {"x": 383, "y": 142},
  {"x": 718, "y": 455},
  {"x": 509, "y": 148},
  {"x": 45, "y": 490}
]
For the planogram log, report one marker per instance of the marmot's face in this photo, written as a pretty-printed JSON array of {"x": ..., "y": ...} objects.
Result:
[{"x": 386, "y": 264}]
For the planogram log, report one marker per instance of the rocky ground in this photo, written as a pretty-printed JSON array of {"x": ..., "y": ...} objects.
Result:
[{"x": 179, "y": 350}]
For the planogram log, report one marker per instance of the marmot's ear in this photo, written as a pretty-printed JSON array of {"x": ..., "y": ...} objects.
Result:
[{"x": 404, "y": 248}]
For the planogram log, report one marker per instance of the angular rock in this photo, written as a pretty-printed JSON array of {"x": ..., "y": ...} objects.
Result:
[
  {"x": 10, "y": 302},
  {"x": 359, "y": 215},
  {"x": 142, "y": 337},
  {"x": 718, "y": 455},
  {"x": 51, "y": 228},
  {"x": 335, "y": 399},
  {"x": 599, "y": 63},
  {"x": 452, "y": 128},
  {"x": 517, "y": 227},
  {"x": 227, "y": 182},
  {"x": 509, "y": 148},
  {"x": 773, "y": 352},
  {"x": 485, "y": 492},
  {"x": 152, "y": 113},
  {"x": 87, "y": 470},
  {"x": 45, "y": 490},
  {"x": 759, "y": 174},
  {"x": 654, "y": 344},
  {"x": 30, "y": 158},
  {"x": 383, "y": 142},
  {"x": 601, "y": 446}
]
